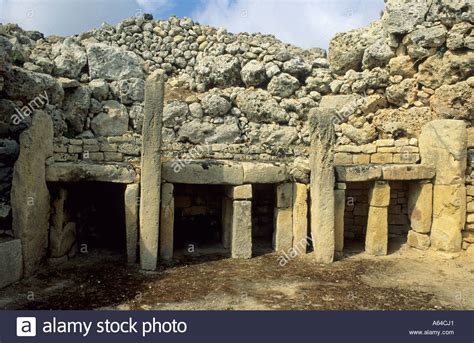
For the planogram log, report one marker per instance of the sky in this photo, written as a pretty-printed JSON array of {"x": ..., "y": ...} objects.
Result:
[{"x": 305, "y": 23}]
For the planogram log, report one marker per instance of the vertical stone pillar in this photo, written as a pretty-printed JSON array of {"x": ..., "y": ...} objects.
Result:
[
  {"x": 340, "y": 207},
  {"x": 376, "y": 239},
  {"x": 30, "y": 197},
  {"x": 167, "y": 221},
  {"x": 300, "y": 218},
  {"x": 62, "y": 235},
  {"x": 443, "y": 146},
  {"x": 322, "y": 185},
  {"x": 420, "y": 212},
  {"x": 131, "y": 220},
  {"x": 241, "y": 237},
  {"x": 227, "y": 207},
  {"x": 151, "y": 171},
  {"x": 283, "y": 221}
]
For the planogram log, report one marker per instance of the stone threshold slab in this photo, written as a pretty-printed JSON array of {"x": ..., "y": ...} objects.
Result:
[{"x": 85, "y": 171}]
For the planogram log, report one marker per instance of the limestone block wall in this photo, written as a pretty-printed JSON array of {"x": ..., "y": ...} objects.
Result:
[{"x": 468, "y": 232}]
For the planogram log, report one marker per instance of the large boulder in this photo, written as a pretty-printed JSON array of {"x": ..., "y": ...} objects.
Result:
[
  {"x": 110, "y": 63},
  {"x": 377, "y": 55},
  {"x": 283, "y": 85},
  {"x": 297, "y": 67},
  {"x": 402, "y": 93},
  {"x": 76, "y": 108},
  {"x": 402, "y": 122},
  {"x": 113, "y": 121},
  {"x": 360, "y": 136},
  {"x": 174, "y": 113},
  {"x": 429, "y": 37},
  {"x": 454, "y": 101},
  {"x": 450, "y": 12},
  {"x": 346, "y": 50},
  {"x": 70, "y": 60},
  {"x": 129, "y": 91},
  {"x": 215, "y": 105},
  {"x": 452, "y": 67},
  {"x": 201, "y": 132},
  {"x": 461, "y": 36},
  {"x": 218, "y": 71},
  {"x": 402, "y": 16},
  {"x": 254, "y": 73},
  {"x": 260, "y": 106}
]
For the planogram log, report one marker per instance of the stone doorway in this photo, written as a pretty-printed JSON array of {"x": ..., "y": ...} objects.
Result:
[
  {"x": 198, "y": 220},
  {"x": 356, "y": 216},
  {"x": 263, "y": 218},
  {"x": 87, "y": 217}
]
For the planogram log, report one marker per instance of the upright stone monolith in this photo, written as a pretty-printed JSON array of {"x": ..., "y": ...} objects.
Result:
[
  {"x": 167, "y": 222},
  {"x": 151, "y": 171},
  {"x": 131, "y": 220},
  {"x": 30, "y": 197},
  {"x": 322, "y": 185}
]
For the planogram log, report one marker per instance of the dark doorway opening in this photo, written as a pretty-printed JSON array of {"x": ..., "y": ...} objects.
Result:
[
  {"x": 198, "y": 219},
  {"x": 263, "y": 209},
  {"x": 98, "y": 210}
]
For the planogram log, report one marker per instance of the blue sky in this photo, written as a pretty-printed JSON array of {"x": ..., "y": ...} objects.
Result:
[{"x": 306, "y": 23}]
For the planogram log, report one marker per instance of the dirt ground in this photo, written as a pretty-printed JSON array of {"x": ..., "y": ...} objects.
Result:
[{"x": 406, "y": 279}]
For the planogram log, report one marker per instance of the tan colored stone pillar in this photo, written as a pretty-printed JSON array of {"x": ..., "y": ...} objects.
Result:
[
  {"x": 151, "y": 171},
  {"x": 62, "y": 235},
  {"x": 420, "y": 212},
  {"x": 227, "y": 207},
  {"x": 321, "y": 163},
  {"x": 300, "y": 218},
  {"x": 241, "y": 245},
  {"x": 376, "y": 239},
  {"x": 30, "y": 197},
  {"x": 340, "y": 207},
  {"x": 131, "y": 220},
  {"x": 283, "y": 221},
  {"x": 443, "y": 146},
  {"x": 167, "y": 221}
]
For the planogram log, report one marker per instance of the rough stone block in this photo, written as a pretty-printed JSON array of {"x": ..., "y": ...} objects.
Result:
[
  {"x": 361, "y": 159},
  {"x": 131, "y": 220},
  {"x": 339, "y": 211},
  {"x": 264, "y": 172},
  {"x": 284, "y": 195},
  {"x": 203, "y": 172},
  {"x": 418, "y": 240},
  {"x": 420, "y": 206},
  {"x": 342, "y": 158},
  {"x": 408, "y": 172},
  {"x": 283, "y": 233},
  {"x": 376, "y": 239},
  {"x": 300, "y": 217},
  {"x": 449, "y": 217},
  {"x": 11, "y": 262},
  {"x": 379, "y": 194},
  {"x": 243, "y": 192},
  {"x": 358, "y": 173},
  {"x": 381, "y": 158},
  {"x": 86, "y": 171},
  {"x": 241, "y": 246},
  {"x": 167, "y": 221}
]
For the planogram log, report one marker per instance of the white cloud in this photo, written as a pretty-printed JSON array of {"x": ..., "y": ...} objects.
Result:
[
  {"x": 305, "y": 23},
  {"x": 67, "y": 17}
]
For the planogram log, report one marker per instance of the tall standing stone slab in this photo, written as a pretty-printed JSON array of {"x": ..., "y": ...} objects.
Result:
[
  {"x": 376, "y": 239},
  {"x": 151, "y": 171},
  {"x": 340, "y": 207},
  {"x": 322, "y": 186},
  {"x": 30, "y": 197},
  {"x": 167, "y": 221},
  {"x": 11, "y": 262},
  {"x": 283, "y": 233},
  {"x": 131, "y": 220},
  {"x": 300, "y": 217},
  {"x": 227, "y": 208},
  {"x": 62, "y": 235},
  {"x": 241, "y": 245},
  {"x": 420, "y": 206}
]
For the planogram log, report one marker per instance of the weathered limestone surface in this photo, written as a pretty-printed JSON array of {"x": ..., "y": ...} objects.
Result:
[
  {"x": 407, "y": 172},
  {"x": 322, "y": 186},
  {"x": 227, "y": 212},
  {"x": 443, "y": 145},
  {"x": 30, "y": 196},
  {"x": 376, "y": 239},
  {"x": 131, "y": 199},
  {"x": 11, "y": 262},
  {"x": 167, "y": 221},
  {"x": 284, "y": 195},
  {"x": 300, "y": 217},
  {"x": 358, "y": 173},
  {"x": 264, "y": 172},
  {"x": 86, "y": 171},
  {"x": 241, "y": 246},
  {"x": 62, "y": 235},
  {"x": 340, "y": 206},
  {"x": 420, "y": 206},
  {"x": 151, "y": 171},
  {"x": 283, "y": 233},
  {"x": 379, "y": 194},
  {"x": 418, "y": 240},
  {"x": 203, "y": 172},
  {"x": 243, "y": 192},
  {"x": 449, "y": 217}
]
